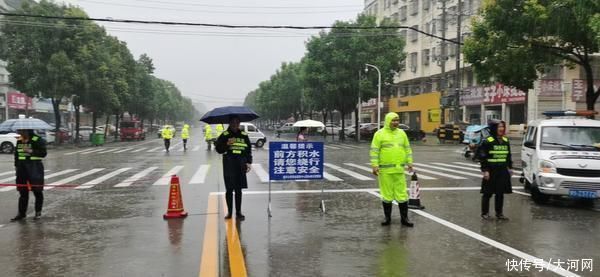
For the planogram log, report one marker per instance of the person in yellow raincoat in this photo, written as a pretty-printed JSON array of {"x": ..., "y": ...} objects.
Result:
[
  {"x": 185, "y": 135},
  {"x": 208, "y": 136},
  {"x": 220, "y": 128},
  {"x": 390, "y": 154},
  {"x": 167, "y": 135}
]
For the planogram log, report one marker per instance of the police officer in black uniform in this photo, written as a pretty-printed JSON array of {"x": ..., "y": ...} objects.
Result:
[
  {"x": 30, "y": 151},
  {"x": 496, "y": 166},
  {"x": 236, "y": 148}
]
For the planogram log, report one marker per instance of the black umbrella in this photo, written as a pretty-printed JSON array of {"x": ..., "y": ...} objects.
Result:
[{"x": 223, "y": 115}]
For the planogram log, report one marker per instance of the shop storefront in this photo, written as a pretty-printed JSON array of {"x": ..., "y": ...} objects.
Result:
[
  {"x": 421, "y": 112},
  {"x": 481, "y": 104}
]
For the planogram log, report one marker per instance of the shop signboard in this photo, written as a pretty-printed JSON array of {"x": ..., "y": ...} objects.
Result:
[
  {"x": 19, "y": 101},
  {"x": 550, "y": 88},
  {"x": 580, "y": 89},
  {"x": 491, "y": 95}
]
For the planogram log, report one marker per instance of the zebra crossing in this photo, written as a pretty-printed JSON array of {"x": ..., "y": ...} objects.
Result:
[
  {"x": 179, "y": 148},
  {"x": 89, "y": 178}
]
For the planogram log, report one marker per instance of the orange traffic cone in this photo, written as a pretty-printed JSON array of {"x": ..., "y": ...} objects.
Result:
[{"x": 175, "y": 208}]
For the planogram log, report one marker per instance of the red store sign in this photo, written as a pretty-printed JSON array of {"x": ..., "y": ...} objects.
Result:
[
  {"x": 580, "y": 89},
  {"x": 490, "y": 95},
  {"x": 19, "y": 101}
]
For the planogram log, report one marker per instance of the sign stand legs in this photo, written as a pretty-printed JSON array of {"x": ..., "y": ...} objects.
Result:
[
  {"x": 322, "y": 205},
  {"x": 269, "y": 207}
]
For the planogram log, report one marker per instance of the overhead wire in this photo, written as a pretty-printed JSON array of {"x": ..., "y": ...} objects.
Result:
[
  {"x": 228, "y": 26},
  {"x": 245, "y": 7}
]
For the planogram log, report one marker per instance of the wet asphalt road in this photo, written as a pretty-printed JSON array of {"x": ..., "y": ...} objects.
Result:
[{"x": 112, "y": 224}]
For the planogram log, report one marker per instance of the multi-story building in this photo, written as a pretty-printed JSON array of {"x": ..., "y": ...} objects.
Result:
[
  {"x": 427, "y": 84},
  {"x": 5, "y": 6}
]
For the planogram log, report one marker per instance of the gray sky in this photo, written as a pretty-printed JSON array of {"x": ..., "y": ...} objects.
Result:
[{"x": 218, "y": 66}]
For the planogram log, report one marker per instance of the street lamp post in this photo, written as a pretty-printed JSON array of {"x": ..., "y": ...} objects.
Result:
[{"x": 378, "y": 92}]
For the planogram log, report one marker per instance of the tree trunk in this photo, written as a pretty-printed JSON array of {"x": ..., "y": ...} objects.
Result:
[
  {"x": 106, "y": 126},
  {"x": 356, "y": 124},
  {"x": 56, "y": 107},
  {"x": 342, "y": 134},
  {"x": 332, "y": 132},
  {"x": 94, "y": 122},
  {"x": 77, "y": 121},
  {"x": 590, "y": 96}
]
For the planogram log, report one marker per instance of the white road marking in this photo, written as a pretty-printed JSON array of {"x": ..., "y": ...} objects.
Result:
[
  {"x": 165, "y": 179},
  {"x": 124, "y": 150},
  {"x": 308, "y": 191},
  {"x": 330, "y": 177},
  {"x": 457, "y": 166},
  {"x": 139, "y": 150},
  {"x": 156, "y": 149},
  {"x": 200, "y": 175},
  {"x": 7, "y": 173},
  {"x": 348, "y": 172},
  {"x": 109, "y": 150},
  {"x": 196, "y": 148},
  {"x": 468, "y": 164},
  {"x": 73, "y": 178},
  {"x": 421, "y": 176},
  {"x": 521, "y": 193},
  {"x": 102, "y": 178},
  {"x": 260, "y": 171},
  {"x": 80, "y": 151},
  {"x": 332, "y": 147},
  {"x": 418, "y": 169},
  {"x": 93, "y": 151},
  {"x": 135, "y": 177},
  {"x": 491, "y": 242},
  {"x": 11, "y": 179},
  {"x": 446, "y": 169}
]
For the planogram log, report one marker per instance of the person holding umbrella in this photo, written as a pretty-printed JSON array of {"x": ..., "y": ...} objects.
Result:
[
  {"x": 236, "y": 148},
  {"x": 30, "y": 151},
  {"x": 302, "y": 135}
]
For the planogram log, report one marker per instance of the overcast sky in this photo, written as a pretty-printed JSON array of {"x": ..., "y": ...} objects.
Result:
[{"x": 211, "y": 65}]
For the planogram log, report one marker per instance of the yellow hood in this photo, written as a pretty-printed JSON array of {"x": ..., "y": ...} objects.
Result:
[{"x": 388, "y": 119}]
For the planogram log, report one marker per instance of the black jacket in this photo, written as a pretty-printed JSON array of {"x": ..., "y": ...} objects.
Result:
[
  {"x": 37, "y": 145},
  {"x": 235, "y": 158},
  {"x": 496, "y": 158}
]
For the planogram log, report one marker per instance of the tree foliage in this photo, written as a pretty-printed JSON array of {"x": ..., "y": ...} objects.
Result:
[{"x": 514, "y": 39}]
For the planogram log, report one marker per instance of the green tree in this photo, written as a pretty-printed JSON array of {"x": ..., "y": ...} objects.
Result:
[{"x": 538, "y": 34}]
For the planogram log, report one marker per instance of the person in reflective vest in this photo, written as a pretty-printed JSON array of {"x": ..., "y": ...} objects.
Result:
[
  {"x": 185, "y": 135},
  {"x": 220, "y": 128},
  {"x": 390, "y": 154},
  {"x": 208, "y": 136},
  {"x": 496, "y": 167},
  {"x": 29, "y": 152},
  {"x": 236, "y": 148},
  {"x": 167, "y": 135}
]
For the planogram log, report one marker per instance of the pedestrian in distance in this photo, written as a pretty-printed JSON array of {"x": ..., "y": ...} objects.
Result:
[
  {"x": 390, "y": 154},
  {"x": 30, "y": 151},
  {"x": 302, "y": 135},
  {"x": 220, "y": 128},
  {"x": 185, "y": 135},
  {"x": 236, "y": 148},
  {"x": 496, "y": 167},
  {"x": 167, "y": 135},
  {"x": 208, "y": 136}
]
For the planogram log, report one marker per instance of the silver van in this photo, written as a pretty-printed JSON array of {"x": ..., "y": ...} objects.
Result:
[{"x": 256, "y": 136}]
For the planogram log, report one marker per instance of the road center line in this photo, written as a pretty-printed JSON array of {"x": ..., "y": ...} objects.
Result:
[
  {"x": 209, "y": 264},
  {"x": 237, "y": 264},
  {"x": 491, "y": 242}
]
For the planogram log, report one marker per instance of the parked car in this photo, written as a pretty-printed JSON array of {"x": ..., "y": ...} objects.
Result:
[
  {"x": 368, "y": 131},
  {"x": 350, "y": 131},
  {"x": 8, "y": 141},
  {"x": 84, "y": 132},
  {"x": 286, "y": 128},
  {"x": 111, "y": 129},
  {"x": 330, "y": 129},
  {"x": 412, "y": 134},
  {"x": 256, "y": 136}
]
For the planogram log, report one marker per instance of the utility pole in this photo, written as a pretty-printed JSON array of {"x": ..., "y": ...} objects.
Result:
[
  {"x": 458, "y": 79},
  {"x": 443, "y": 61}
]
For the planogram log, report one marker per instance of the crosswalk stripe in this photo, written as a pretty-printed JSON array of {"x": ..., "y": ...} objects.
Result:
[
  {"x": 11, "y": 179},
  {"x": 421, "y": 176},
  {"x": 165, "y": 179},
  {"x": 332, "y": 147},
  {"x": 419, "y": 170},
  {"x": 102, "y": 178},
  {"x": 467, "y": 164},
  {"x": 196, "y": 148},
  {"x": 330, "y": 177},
  {"x": 109, "y": 150},
  {"x": 459, "y": 167},
  {"x": 156, "y": 149},
  {"x": 76, "y": 152},
  {"x": 260, "y": 171},
  {"x": 139, "y": 150},
  {"x": 7, "y": 173},
  {"x": 135, "y": 177},
  {"x": 73, "y": 178},
  {"x": 200, "y": 175},
  {"x": 93, "y": 151},
  {"x": 348, "y": 172},
  {"x": 447, "y": 169},
  {"x": 124, "y": 150}
]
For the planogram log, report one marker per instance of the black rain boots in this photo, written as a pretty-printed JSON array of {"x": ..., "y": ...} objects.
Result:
[
  {"x": 387, "y": 211},
  {"x": 404, "y": 214}
]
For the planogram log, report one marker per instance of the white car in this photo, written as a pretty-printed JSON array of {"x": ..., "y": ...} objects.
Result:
[
  {"x": 8, "y": 142},
  {"x": 561, "y": 157},
  {"x": 256, "y": 136}
]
